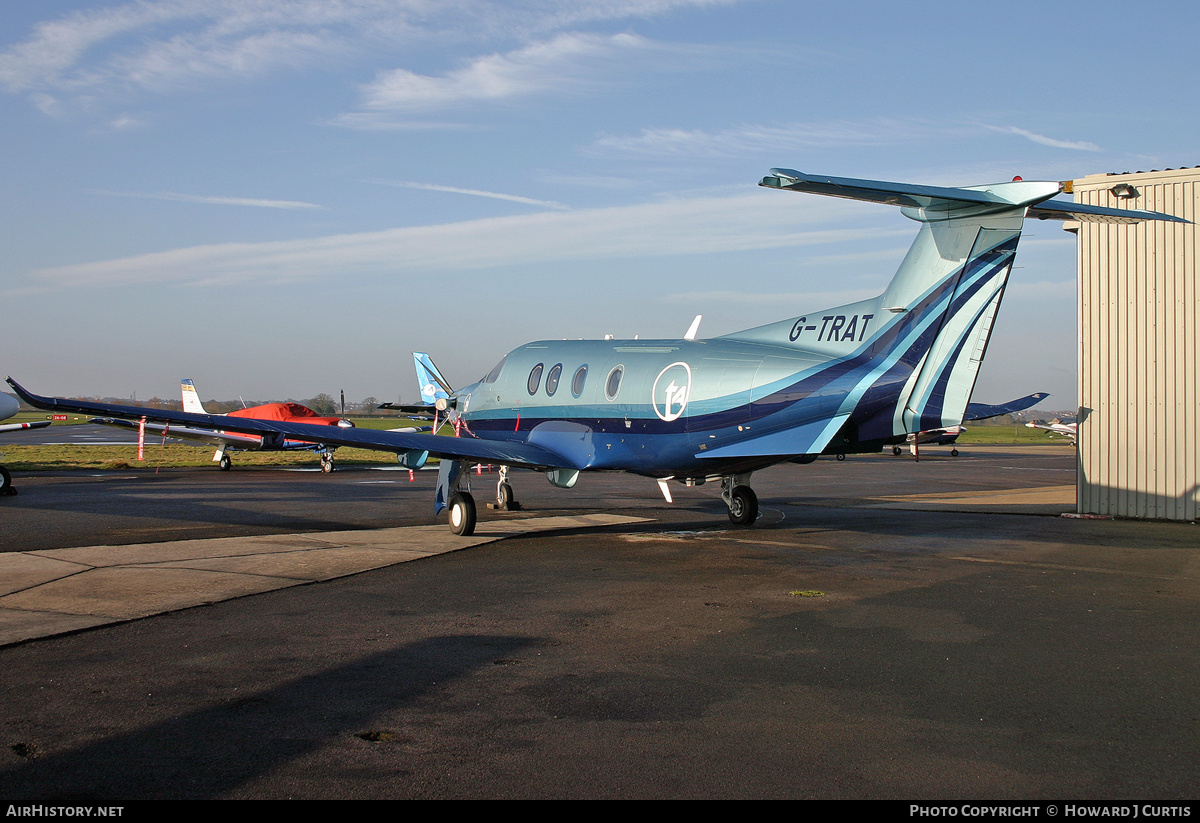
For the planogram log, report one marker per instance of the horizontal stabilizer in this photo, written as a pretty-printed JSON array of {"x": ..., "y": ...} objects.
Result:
[
  {"x": 1063, "y": 210},
  {"x": 939, "y": 199},
  {"x": 982, "y": 411},
  {"x": 949, "y": 202}
]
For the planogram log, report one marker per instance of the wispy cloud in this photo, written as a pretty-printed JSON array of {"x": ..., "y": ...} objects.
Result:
[
  {"x": 208, "y": 200},
  {"x": 568, "y": 61},
  {"x": 152, "y": 46},
  {"x": 753, "y": 138},
  {"x": 514, "y": 198},
  {"x": 754, "y": 220},
  {"x": 1042, "y": 140},
  {"x": 85, "y": 58}
]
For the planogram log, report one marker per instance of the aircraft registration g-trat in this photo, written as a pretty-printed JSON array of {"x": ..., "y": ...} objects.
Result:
[{"x": 852, "y": 378}]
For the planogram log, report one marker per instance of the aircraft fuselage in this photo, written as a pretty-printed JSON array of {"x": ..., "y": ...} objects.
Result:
[{"x": 655, "y": 407}]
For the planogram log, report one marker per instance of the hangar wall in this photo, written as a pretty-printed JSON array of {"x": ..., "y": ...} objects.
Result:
[{"x": 1139, "y": 302}]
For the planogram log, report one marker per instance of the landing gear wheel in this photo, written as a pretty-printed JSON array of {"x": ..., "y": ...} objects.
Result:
[
  {"x": 743, "y": 506},
  {"x": 954, "y": 452},
  {"x": 225, "y": 463},
  {"x": 504, "y": 497},
  {"x": 841, "y": 456},
  {"x": 326, "y": 464},
  {"x": 896, "y": 450},
  {"x": 462, "y": 514},
  {"x": 6, "y": 486}
]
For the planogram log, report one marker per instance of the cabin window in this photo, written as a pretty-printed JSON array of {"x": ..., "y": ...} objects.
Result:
[
  {"x": 495, "y": 372},
  {"x": 552, "y": 379},
  {"x": 535, "y": 378},
  {"x": 613, "y": 384},
  {"x": 578, "y": 380}
]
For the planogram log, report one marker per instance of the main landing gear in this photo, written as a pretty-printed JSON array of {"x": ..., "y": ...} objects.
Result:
[
  {"x": 327, "y": 462},
  {"x": 461, "y": 504},
  {"x": 462, "y": 513},
  {"x": 740, "y": 498}
]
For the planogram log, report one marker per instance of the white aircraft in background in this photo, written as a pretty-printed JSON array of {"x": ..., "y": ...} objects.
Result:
[
  {"x": 1067, "y": 430},
  {"x": 8, "y": 407},
  {"x": 949, "y": 435}
]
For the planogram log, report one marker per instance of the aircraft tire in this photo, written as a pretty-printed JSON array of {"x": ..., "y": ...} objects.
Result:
[
  {"x": 896, "y": 450},
  {"x": 743, "y": 506},
  {"x": 504, "y": 496},
  {"x": 954, "y": 452},
  {"x": 225, "y": 464},
  {"x": 841, "y": 456},
  {"x": 6, "y": 486},
  {"x": 327, "y": 466},
  {"x": 462, "y": 514}
]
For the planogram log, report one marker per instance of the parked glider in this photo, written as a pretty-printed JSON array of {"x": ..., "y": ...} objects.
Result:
[
  {"x": 853, "y": 378},
  {"x": 229, "y": 441},
  {"x": 9, "y": 407}
]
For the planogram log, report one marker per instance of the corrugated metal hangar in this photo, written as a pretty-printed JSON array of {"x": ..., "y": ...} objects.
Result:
[{"x": 1139, "y": 303}]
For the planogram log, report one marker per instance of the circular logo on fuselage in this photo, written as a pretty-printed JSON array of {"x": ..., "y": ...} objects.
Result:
[{"x": 671, "y": 391}]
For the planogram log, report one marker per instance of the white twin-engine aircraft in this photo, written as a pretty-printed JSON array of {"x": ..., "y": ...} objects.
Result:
[
  {"x": 854, "y": 378},
  {"x": 9, "y": 407}
]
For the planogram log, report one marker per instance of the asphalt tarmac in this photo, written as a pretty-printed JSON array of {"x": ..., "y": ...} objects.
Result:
[{"x": 889, "y": 629}]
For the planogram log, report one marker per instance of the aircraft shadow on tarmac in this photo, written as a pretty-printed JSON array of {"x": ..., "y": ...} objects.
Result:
[{"x": 209, "y": 752}]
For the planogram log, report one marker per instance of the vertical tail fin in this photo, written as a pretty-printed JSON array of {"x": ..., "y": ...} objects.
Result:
[
  {"x": 191, "y": 400},
  {"x": 429, "y": 380},
  {"x": 911, "y": 355}
]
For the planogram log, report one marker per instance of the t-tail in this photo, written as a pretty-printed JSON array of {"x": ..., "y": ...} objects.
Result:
[
  {"x": 432, "y": 385},
  {"x": 925, "y": 337},
  {"x": 191, "y": 399}
]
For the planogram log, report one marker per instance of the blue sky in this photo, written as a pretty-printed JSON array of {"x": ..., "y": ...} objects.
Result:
[{"x": 283, "y": 198}]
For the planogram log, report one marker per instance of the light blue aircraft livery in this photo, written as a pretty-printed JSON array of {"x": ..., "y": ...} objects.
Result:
[{"x": 852, "y": 378}]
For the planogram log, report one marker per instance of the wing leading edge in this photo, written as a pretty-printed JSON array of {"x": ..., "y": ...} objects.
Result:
[{"x": 417, "y": 444}]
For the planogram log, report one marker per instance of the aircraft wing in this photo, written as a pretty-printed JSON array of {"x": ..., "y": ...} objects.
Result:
[
  {"x": 982, "y": 411},
  {"x": 209, "y": 436},
  {"x": 275, "y": 432},
  {"x": 12, "y": 427}
]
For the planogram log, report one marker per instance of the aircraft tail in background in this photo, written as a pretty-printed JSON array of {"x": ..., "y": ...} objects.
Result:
[
  {"x": 191, "y": 399},
  {"x": 429, "y": 380}
]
